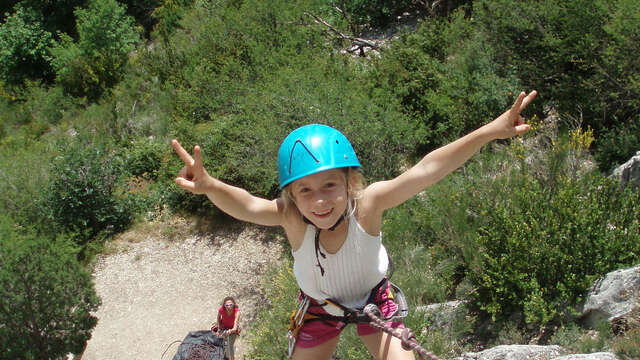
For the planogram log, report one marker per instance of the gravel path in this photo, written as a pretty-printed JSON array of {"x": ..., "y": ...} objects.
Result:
[{"x": 155, "y": 290}]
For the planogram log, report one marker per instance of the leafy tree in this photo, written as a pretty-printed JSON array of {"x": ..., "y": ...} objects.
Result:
[
  {"x": 142, "y": 11},
  {"x": 46, "y": 296},
  {"x": 83, "y": 192},
  {"x": 6, "y": 6},
  {"x": 24, "y": 47},
  {"x": 580, "y": 52},
  {"x": 95, "y": 62},
  {"x": 380, "y": 13},
  {"x": 56, "y": 15}
]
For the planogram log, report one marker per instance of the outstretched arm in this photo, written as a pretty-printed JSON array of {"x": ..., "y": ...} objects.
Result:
[
  {"x": 440, "y": 162},
  {"x": 234, "y": 201}
]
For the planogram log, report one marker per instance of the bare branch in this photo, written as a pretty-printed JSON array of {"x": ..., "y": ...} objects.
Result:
[
  {"x": 346, "y": 16},
  {"x": 355, "y": 40}
]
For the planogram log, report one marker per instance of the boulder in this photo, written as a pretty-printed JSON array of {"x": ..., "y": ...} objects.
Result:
[
  {"x": 516, "y": 352},
  {"x": 612, "y": 297},
  {"x": 442, "y": 315},
  {"x": 592, "y": 356},
  {"x": 629, "y": 172}
]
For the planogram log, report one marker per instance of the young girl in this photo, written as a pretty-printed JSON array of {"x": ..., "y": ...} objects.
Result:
[
  {"x": 228, "y": 322},
  {"x": 333, "y": 222}
]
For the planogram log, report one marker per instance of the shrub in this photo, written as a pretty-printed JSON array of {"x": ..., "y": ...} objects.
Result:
[
  {"x": 268, "y": 337},
  {"x": 144, "y": 158},
  {"x": 445, "y": 77},
  {"x": 381, "y": 13},
  {"x": 56, "y": 16},
  {"x": 376, "y": 13},
  {"x": 525, "y": 238},
  {"x": 23, "y": 196},
  {"x": 84, "y": 197},
  {"x": 617, "y": 145},
  {"x": 542, "y": 240},
  {"x": 577, "y": 51},
  {"x": 628, "y": 346},
  {"x": 239, "y": 121},
  {"x": 94, "y": 64},
  {"x": 24, "y": 47},
  {"x": 46, "y": 296}
]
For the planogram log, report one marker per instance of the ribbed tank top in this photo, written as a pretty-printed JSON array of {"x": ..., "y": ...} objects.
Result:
[{"x": 350, "y": 274}]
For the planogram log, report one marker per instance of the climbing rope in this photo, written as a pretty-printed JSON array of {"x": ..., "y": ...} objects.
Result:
[
  {"x": 405, "y": 335},
  {"x": 194, "y": 351}
]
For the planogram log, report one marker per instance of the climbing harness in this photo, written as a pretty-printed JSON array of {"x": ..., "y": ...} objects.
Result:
[
  {"x": 301, "y": 316},
  {"x": 298, "y": 317},
  {"x": 370, "y": 314}
]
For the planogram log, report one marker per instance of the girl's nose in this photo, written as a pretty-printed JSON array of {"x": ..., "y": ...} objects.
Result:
[{"x": 320, "y": 197}]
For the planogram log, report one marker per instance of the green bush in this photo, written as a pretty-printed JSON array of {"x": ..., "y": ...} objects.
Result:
[
  {"x": 528, "y": 240},
  {"x": 24, "y": 47},
  {"x": 56, "y": 16},
  {"x": 544, "y": 240},
  {"x": 142, "y": 11},
  {"x": 23, "y": 196},
  {"x": 268, "y": 336},
  {"x": 628, "y": 347},
  {"x": 85, "y": 195},
  {"x": 94, "y": 63},
  {"x": 576, "y": 52},
  {"x": 445, "y": 77},
  {"x": 376, "y": 14},
  {"x": 46, "y": 296},
  {"x": 144, "y": 158},
  {"x": 617, "y": 145},
  {"x": 251, "y": 76}
]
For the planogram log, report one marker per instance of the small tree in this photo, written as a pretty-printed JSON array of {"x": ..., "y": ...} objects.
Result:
[
  {"x": 46, "y": 297},
  {"x": 94, "y": 63},
  {"x": 24, "y": 47},
  {"x": 83, "y": 193}
]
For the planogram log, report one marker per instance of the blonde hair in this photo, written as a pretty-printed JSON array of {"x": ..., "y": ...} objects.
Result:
[{"x": 355, "y": 185}]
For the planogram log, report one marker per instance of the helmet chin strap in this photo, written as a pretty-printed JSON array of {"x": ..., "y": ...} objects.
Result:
[{"x": 317, "y": 238}]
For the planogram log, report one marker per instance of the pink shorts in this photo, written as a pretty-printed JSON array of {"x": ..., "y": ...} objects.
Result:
[{"x": 316, "y": 332}]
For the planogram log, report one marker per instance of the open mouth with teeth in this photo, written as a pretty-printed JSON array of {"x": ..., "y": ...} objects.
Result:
[{"x": 323, "y": 213}]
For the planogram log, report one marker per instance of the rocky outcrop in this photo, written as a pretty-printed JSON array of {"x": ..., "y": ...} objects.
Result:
[
  {"x": 593, "y": 356},
  {"x": 441, "y": 315},
  {"x": 532, "y": 352},
  {"x": 629, "y": 172},
  {"x": 516, "y": 352},
  {"x": 612, "y": 297}
]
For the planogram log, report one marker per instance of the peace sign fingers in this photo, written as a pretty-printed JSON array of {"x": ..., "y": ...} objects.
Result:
[
  {"x": 193, "y": 173},
  {"x": 184, "y": 155},
  {"x": 524, "y": 100}
]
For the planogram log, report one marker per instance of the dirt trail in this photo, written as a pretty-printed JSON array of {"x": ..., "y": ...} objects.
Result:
[{"x": 154, "y": 290}]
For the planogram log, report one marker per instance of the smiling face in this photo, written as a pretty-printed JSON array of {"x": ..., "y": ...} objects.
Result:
[
  {"x": 229, "y": 305},
  {"x": 321, "y": 197}
]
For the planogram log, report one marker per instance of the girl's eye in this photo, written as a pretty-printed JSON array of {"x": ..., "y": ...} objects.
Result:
[
  {"x": 303, "y": 190},
  {"x": 330, "y": 185}
]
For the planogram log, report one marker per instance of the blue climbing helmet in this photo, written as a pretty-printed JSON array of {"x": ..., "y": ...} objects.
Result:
[{"x": 311, "y": 149}]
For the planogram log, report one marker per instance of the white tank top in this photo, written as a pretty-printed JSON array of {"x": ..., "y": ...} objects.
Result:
[{"x": 350, "y": 274}]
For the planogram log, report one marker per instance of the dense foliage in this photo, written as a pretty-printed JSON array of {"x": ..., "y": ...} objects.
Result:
[
  {"x": 92, "y": 91},
  {"x": 46, "y": 296},
  {"x": 83, "y": 197}
]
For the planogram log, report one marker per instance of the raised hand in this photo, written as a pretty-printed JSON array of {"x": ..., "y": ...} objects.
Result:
[
  {"x": 511, "y": 123},
  {"x": 193, "y": 177}
]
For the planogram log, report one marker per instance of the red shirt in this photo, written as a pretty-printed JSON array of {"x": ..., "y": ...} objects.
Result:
[{"x": 226, "y": 320}]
